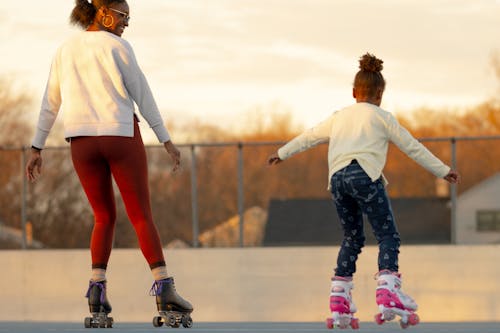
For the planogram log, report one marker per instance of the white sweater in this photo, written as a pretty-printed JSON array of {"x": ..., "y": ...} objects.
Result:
[
  {"x": 95, "y": 79},
  {"x": 362, "y": 132}
]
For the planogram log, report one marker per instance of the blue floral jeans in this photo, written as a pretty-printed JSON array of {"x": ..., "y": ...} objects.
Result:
[{"x": 355, "y": 194}]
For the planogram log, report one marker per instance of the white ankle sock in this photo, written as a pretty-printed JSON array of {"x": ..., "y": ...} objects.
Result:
[
  {"x": 98, "y": 274},
  {"x": 160, "y": 273}
]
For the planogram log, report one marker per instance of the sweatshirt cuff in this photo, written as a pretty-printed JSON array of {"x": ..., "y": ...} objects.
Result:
[
  {"x": 282, "y": 154},
  {"x": 161, "y": 133},
  {"x": 443, "y": 172},
  {"x": 40, "y": 138}
]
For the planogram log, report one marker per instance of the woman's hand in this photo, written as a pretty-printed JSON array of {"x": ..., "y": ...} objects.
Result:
[
  {"x": 34, "y": 165},
  {"x": 174, "y": 153}
]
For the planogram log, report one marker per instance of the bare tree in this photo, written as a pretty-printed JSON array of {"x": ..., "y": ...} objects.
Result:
[
  {"x": 15, "y": 131},
  {"x": 15, "y": 105}
]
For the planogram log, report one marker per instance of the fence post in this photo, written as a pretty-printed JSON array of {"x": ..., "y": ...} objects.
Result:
[
  {"x": 240, "y": 193},
  {"x": 194, "y": 197},
  {"x": 24, "y": 191},
  {"x": 453, "y": 228}
]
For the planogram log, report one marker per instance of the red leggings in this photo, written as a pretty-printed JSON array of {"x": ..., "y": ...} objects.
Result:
[{"x": 98, "y": 158}]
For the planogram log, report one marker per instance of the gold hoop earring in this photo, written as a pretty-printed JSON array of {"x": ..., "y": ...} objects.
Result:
[{"x": 104, "y": 21}]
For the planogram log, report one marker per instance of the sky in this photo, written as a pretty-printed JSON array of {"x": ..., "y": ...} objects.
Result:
[{"x": 219, "y": 61}]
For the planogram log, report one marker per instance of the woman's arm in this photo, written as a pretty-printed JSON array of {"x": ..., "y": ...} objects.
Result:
[
  {"x": 138, "y": 88},
  {"x": 51, "y": 102}
]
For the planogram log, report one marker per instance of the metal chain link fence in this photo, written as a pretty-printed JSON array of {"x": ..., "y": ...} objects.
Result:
[{"x": 218, "y": 182}]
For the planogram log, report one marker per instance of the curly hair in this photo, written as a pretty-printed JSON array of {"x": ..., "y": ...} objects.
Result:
[
  {"x": 85, "y": 10},
  {"x": 369, "y": 79}
]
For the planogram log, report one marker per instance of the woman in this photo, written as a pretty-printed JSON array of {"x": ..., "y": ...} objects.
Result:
[
  {"x": 358, "y": 137},
  {"x": 95, "y": 78}
]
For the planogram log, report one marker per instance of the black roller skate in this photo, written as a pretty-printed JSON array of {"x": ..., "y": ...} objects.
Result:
[
  {"x": 99, "y": 306},
  {"x": 173, "y": 309}
]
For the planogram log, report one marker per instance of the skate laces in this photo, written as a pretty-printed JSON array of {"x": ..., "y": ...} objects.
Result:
[
  {"x": 101, "y": 286},
  {"x": 157, "y": 286}
]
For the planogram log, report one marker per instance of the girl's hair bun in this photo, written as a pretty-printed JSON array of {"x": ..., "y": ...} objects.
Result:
[{"x": 369, "y": 63}]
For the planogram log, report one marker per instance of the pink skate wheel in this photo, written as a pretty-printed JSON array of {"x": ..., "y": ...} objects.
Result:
[
  {"x": 355, "y": 323},
  {"x": 378, "y": 319},
  {"x": 329, "y": 323},
  {"x": 413, "y": 319}
]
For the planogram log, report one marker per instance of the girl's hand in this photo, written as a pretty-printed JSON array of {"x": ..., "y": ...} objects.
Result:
[
  {"x": 174, "y": 153},
  {"x": 34, "y": 166},
  {"x": 452, "y": 177},
  {"x": 274, "y": 159}
]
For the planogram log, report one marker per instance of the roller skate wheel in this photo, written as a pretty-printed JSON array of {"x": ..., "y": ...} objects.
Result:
[
  {"x": 378, "y": 319},
  {"x": 157, "y": 321},
  {"x": 172, "y": 321},
  {"x": 87, "y": 322},
  {"x": 187, "y": 322},
  {"x": 343, "y": 322},
  {"x": 355, "y": 323},
  {"x": 413, "y": 319},
  {"x": 329, "y": 323},
  {"x": 403, "y": 324},
  {"x": 109, "y": 322},
  {"x": 388, "y": 314}
]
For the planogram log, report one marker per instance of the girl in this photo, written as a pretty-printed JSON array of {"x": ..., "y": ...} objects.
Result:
[{"x": 358, "y": 137}]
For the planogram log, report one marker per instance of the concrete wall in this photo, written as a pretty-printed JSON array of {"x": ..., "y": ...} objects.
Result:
[{"x": 450, "y": 283}]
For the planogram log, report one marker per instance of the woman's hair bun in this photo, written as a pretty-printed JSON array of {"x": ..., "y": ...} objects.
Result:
[
  {"x": 83, "y": 13},
  {"x": 369, "y": 63}
]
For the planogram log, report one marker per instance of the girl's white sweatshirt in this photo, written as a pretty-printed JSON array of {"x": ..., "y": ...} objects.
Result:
[{"x": 362, "y": 132}]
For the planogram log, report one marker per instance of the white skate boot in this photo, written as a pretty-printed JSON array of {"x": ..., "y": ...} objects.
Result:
[
  {"x": 341, "y": 305},
  {"x": 393, "y": 302}
]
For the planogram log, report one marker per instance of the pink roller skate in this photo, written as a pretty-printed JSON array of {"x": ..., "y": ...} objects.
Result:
[
  {"x": 341, "y": 305},
  {"x": 393, "y": 302}
]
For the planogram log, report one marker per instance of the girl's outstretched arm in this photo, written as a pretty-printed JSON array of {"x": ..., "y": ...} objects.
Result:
[{"x": 309, "y": 138}]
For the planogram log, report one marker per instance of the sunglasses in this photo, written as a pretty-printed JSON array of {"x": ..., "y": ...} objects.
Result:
[{"x": 125, "y": 16}]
